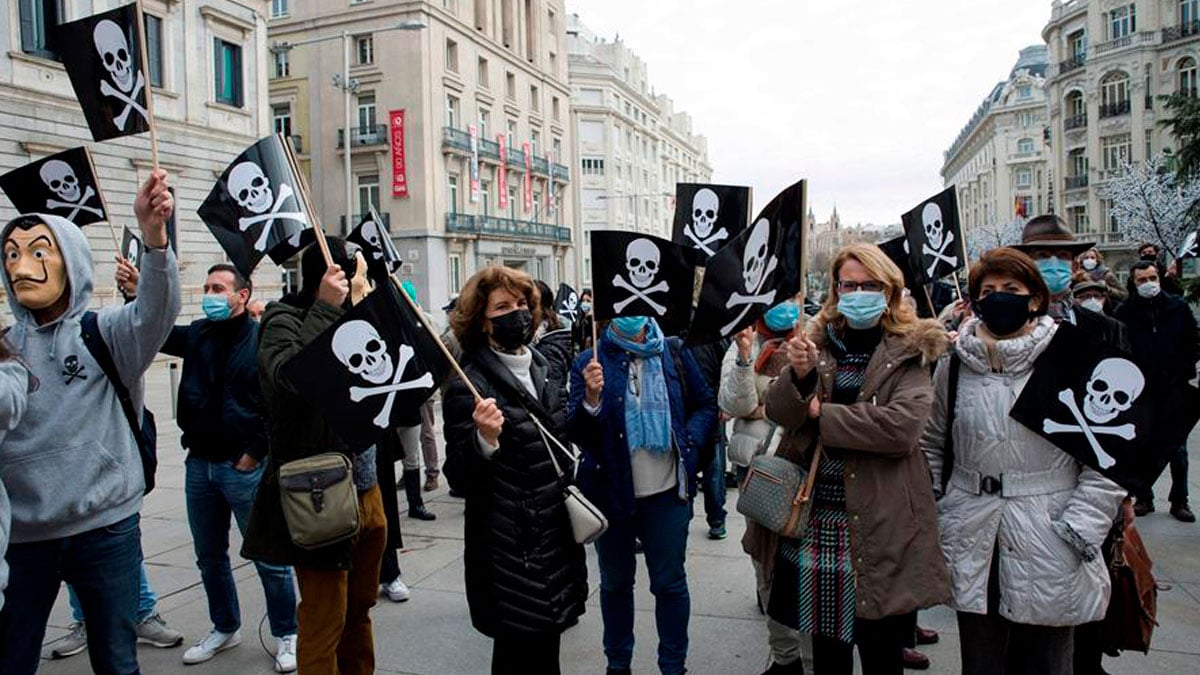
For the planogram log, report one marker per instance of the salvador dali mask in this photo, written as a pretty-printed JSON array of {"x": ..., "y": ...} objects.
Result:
[{"x": 35, "y": 266}]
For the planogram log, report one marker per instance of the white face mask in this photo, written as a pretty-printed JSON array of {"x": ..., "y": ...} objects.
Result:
[
  {"x": 1149, "y": 289},
  {"x": 1094, "y": 304},
  {"x": 1089, "y": 264}
]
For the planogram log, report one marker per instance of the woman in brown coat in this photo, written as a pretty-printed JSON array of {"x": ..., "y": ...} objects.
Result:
[{"x": 857, "y": 386}]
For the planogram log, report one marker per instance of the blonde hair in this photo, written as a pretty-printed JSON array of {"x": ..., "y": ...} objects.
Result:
[{"x": 899, "y": 317}]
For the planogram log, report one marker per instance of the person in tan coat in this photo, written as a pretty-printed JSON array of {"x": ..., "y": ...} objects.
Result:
[{"x": 857, "y": 387}]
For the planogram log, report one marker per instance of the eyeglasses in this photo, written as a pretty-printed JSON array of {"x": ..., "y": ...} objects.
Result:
[{"x": 852, "y": 286}]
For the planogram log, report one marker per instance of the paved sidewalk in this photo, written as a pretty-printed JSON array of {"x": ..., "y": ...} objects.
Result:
[{"x": 432, "y": 635}]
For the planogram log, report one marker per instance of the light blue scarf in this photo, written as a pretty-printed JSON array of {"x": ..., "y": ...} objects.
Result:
[{"x": 647, "y": 405}]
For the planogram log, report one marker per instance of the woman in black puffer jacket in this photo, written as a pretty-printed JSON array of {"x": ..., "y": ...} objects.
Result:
[{"x": 526, "y": 577}]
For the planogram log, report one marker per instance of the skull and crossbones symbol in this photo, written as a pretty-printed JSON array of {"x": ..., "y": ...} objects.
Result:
[
  {"x": 642, "y": 260},
  {"x": 1191, "y": 247},
  {"x": 757, "y": 265},
  {"x": 117, "y": 59},
  {"x": 251, "y": 189},
  {"x": 1113, "y": 387},
  {"x": 73, "y": 369},
  {"x": 131, "y": 253},
  {"x": 570, "y": 305},
  {"x": 61, "y": 180},
  {"x": 705, "y": 207},
  {"x": 937, "y": 239},
  {"x": 359, "y": 347}
]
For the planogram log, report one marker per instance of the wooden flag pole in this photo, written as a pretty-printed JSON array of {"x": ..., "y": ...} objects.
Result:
[
  {"x": 803, "y": 254},
  {"x": 437, "y": 338},
  {"x": 302, "y": 181},
  {"x": 141, "y": 27},
  {"x": 112, "y": 229},
  {"x": 595, "y": 345}
]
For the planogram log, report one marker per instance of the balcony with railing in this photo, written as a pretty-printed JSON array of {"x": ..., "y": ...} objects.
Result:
[
  {"x": 363, "y": 137},
  {"x": 1077, "y": 182},
  {"x": 1180, "y": 32},
  {"x": 489, "y": 149},
  {"x": 456, "y": 139},
  {"x": 356, "y": 218},
  {"x": 1142, "y": 38},
  {"x": 495, "y": 226},
  {"x": 1115, "y": 109},
  {"x": 1075, "y": 122},
  {"x": 1074, "y": 63}
]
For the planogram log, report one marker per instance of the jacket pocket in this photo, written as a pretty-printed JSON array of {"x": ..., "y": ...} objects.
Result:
[{"x": 64, "y": 484}]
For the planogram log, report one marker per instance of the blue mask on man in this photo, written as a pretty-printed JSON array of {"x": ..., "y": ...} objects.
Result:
[
  {"x": 782, "y": 317},
  {"x": 1056, "y": 272},
  {"x": 630, "y": 326},
  {"x": 215, "y": 307},
  {"x": 862, "y": 309}
]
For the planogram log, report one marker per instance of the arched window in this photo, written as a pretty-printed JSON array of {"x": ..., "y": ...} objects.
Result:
[
  {"x": 1187, "y": 76},
  {"x": 1025, "y": 145},
  {"x": 1114, "y": 94}
]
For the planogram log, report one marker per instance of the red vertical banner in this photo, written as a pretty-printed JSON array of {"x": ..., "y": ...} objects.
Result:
[
  {"x": 399, "y": 174},
  {"x": 528, "y": 181},
  {"x": 502, "y": 173}
]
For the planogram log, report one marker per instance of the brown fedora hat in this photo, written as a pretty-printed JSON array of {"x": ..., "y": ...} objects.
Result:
[{"x": 1049, "y": 231}]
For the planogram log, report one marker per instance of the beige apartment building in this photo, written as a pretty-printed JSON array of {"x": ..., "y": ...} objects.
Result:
[
  {"x": 1109, "y": 64},
  {"x": 478, "y": 172},
  {"x": 633, "y": 146},
  {"x": 207, "y": 60},
  {"x": 1000, "y": 162}
]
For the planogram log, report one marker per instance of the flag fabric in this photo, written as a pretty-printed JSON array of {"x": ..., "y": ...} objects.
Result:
[
  {"x": 62, "y": 184},
  {"x": 567, "y": 302},
  {"x": 934, "y": 237},
  {"x": 640, "y": 275},
  {"x": 1099, "y": 406},
  {"x": 380, "y": 251},
  {"x": 132, "y": 248},
  {"x": 372, "y": 370},
  {"x": 755, "y": 271},
  {"x": 257, "y": 208},
  {"x": 1190, "y": 247},
  {"x": 709, "y": 216},
  {"x": 897, "y": 251},
  {"x": 102, "y": 55}
]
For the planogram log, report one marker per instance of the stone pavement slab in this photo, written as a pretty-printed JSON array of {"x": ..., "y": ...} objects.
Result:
[{"x": 432, "y": 635}]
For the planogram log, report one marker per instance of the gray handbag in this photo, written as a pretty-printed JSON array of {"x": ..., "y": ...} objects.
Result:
[{"x": 777, "y": 494}]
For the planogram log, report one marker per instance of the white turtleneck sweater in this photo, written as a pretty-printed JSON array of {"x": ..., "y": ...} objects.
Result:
[{"x": 519, "y": 366}]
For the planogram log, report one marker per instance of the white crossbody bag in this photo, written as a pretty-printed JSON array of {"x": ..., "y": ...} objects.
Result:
[{"x": 587, "y": 522}]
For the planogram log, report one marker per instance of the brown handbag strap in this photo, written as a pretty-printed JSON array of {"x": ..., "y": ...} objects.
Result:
[{"x": 805, "y": 492}]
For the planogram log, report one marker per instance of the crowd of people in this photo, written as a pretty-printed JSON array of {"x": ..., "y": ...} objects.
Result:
[{"x": 926, "y": 492}]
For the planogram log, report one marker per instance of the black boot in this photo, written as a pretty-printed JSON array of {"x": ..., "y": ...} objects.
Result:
[{"x": 416, "y": 503}]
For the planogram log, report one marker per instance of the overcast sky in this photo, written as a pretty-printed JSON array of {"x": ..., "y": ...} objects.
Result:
[{"x": 859, "y": 97}]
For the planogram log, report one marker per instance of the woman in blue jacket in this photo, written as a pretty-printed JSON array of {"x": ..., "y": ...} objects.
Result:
[{"x": 640, "y": 412}]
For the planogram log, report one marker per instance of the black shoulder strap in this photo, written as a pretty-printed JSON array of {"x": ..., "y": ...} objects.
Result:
[
  {"x": 951, "y": 404},
  {"x": 90, "y": 330}
]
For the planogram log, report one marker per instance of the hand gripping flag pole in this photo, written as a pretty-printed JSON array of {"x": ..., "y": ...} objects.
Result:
[{"x": 436, "y": 337}]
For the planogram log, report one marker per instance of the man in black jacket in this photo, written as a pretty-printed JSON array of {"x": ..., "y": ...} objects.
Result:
[
  {"x": 1163, "y": 332},
  {"x": 220, "y": 411}
]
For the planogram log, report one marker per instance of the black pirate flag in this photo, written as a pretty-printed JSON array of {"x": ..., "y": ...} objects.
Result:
[
  {"x": 62, "y": 185},
  {"x": 897, "y": 251},
  {"x": 378, "y": 248},
  {"x": 755, "y": 271},
  {"x": 103, "y": 57},
  {"x": 132, "y": 248},
  {"x": 567, "y": 302},
  {"x": 1099, "y": 406},
  {"x": 370, "y": 371},
  {"x": 640, "y": 275},
  {"x": 934, "y": 238},
  {"x": 258, "y": 208},
  {"x": 709, "y": 216}
]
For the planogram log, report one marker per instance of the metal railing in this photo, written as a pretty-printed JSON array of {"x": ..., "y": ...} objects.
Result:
[
  {"x": 456, "y": 138},
  {"x": 1077, "y": 182},
  {"x": 1074, "y": 63},
  {"x": 376, "y": 134},
  {"x": 1183, "y": 30},
  {"x": 487, "y": 225},
  {"x": 1075, "y": 122},
  {"x": 356, "y": 218},
  {"x": 1114, "y": 109}
]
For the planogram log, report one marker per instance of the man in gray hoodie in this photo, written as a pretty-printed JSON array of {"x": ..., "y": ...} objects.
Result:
[{"x": 72, "y": 465}]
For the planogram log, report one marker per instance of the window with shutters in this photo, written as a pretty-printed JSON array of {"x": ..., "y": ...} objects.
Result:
[
  {"x": 154, "y": 49},
  {"x": 227, "y": 71},
  {"x": 38, "y": 18}
]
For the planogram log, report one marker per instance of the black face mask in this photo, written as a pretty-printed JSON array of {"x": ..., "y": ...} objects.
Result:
[
  {"x": 512, "y": 330},
  {"x": 1149, "y": 257},
  {"x": 1002, "y": 313}
]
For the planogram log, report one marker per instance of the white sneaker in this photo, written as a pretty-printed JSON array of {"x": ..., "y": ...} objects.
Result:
[
  {"x": 211, "y": 645},
  {"x": 395, "y": 591},
  {"x": 285, "y": 654}
]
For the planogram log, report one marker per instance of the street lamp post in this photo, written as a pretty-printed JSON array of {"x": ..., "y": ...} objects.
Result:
[{"x": 348, "y": 86}]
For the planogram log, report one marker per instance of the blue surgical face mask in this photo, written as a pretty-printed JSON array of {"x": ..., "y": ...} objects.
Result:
[
  {"x": 862, "y": 309},
  {"x": 585, "y": 307},
  {"x": 782, "y": 317},
  {"x": 630, "y": 326},
  {"x": 1057, "y": 274},
  {"x": 215, "y": 307}
]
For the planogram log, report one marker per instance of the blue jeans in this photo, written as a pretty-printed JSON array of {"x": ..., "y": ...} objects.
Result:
[
  {"x": 147, "y": 600},
  {"x": 102, "y": 564},
  {"x": 214, "y": 491},
  {"x": 714, "y": 487},
  {"x": 660, "y": 522}
]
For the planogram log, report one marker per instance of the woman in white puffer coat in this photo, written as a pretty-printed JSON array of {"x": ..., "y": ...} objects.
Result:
[{"x": 1021, "y": 521}]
